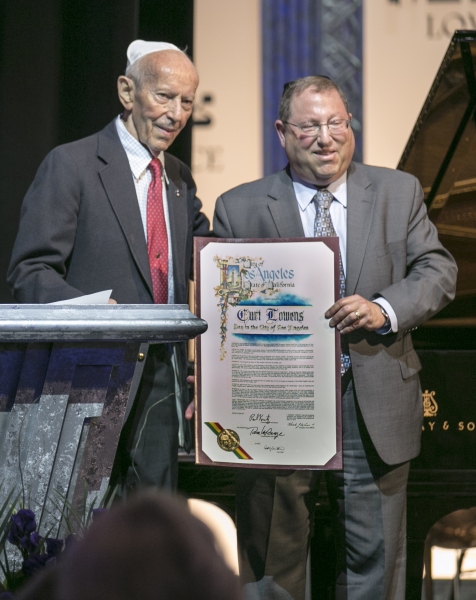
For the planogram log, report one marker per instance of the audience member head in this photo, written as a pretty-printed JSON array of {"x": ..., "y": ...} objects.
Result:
[{"x": 151, "y": 548}]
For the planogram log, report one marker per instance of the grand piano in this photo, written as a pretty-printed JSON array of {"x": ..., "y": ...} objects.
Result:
[{"x": 441, "y": 152}]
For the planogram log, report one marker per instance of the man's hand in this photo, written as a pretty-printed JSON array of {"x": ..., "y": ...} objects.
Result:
[
  {"x": 111, "y": 301},
  {"x": 354, "y": 312},
  {"x": 190, "y": 410}
]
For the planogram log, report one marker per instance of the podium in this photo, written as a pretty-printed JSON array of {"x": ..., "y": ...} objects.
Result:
[{"x": 68, "y": 378}]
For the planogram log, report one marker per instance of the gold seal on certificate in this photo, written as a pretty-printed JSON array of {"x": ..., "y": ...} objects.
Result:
[{"x": 228, "y": 440}]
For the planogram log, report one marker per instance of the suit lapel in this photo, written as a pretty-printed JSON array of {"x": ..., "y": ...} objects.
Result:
[
  {"x": 284, "y": 207},
  {"x": 360, "y": 205},
  {"x": 119, "y": 186}
]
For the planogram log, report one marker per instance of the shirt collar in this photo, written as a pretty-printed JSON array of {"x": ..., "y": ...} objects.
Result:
[
  {"x": 305, "y": 192},
  {"x": 139, "y": 157}
]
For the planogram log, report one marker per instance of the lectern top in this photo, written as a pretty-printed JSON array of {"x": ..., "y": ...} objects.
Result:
[{"x": 69, "y": 322}]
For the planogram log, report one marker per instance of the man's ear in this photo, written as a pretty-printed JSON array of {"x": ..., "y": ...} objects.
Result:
[
  {"x": 125, "y": 90},
  {"x": 279, "y": 126}
]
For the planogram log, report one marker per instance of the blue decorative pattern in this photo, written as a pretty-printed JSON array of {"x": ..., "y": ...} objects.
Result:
[{"x": 309, "y": 37}]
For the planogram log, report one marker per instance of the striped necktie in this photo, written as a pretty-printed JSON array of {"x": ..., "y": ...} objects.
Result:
[{"x": 323, "y": 227}]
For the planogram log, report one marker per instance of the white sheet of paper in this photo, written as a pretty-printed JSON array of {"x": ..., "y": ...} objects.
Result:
[{"x": 97, "y": 298}]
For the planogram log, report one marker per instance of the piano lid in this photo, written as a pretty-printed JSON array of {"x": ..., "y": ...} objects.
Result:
[{"x": 441, "y": 152}]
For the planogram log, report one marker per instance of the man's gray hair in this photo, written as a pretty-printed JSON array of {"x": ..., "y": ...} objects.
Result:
[{"x": 317, "y": 83}]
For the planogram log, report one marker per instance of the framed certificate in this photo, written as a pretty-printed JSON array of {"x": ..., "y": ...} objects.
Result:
[{"x": 268, "y": 367}]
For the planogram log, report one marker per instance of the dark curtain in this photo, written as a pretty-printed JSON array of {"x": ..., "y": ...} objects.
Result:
[
  {"x": 59, "y": 62},
  {"x": 171, "y": 21}
]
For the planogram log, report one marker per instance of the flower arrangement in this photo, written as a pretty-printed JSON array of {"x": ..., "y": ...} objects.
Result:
[{"x": 35, "y": 552}]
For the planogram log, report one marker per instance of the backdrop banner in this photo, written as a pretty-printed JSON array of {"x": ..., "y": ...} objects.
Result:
[{"x": 404, "y": 44}]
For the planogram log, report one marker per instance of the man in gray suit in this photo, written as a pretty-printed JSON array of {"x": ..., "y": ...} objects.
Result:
[
  {"x": 85, "y": 227},
  {"x": 395, "y": 275}
]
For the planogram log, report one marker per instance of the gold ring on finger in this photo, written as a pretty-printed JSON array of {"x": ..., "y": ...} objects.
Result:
[{"x": 358, "y": 316}]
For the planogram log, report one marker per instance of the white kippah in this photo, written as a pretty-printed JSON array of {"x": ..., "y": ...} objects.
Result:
[{"x": 138, "y": 48}]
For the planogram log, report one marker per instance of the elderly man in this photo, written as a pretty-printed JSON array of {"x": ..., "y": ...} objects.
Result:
[
  {"x": 114, "y": 211},
  {"x": 394, "y": 275}
]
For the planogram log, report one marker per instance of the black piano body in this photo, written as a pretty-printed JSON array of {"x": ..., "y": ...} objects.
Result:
[{"x": 441, "y": 152}]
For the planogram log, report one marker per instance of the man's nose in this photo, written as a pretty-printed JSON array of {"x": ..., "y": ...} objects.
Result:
[
  {"x": 174, "y": 109},
  {"x": 324, "y": 137}
]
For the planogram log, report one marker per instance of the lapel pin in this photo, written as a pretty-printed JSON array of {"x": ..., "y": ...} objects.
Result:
[{"x": 177, "y": 192}]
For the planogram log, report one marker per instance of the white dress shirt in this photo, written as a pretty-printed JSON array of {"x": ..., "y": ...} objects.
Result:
[
  {"x": 305, "y": 193},
  {"x": 139, "y": 158}
]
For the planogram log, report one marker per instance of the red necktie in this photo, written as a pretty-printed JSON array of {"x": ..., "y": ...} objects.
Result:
[{"x": 157, "y": 244}]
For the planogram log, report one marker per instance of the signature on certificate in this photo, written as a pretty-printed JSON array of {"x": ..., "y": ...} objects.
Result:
[
  {"x": 266, "y": 432},
  {"x": 301, "y": 425},
  {"x": 260, "y": 417},
  {"x": 278, "y": 449}
]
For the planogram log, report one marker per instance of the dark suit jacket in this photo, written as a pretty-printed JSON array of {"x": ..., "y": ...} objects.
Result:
[
  {"x": 81, "y": 230},
  {"x": 392, "y": 251}
]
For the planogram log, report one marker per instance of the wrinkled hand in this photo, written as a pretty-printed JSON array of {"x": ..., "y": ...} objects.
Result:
[
  {"x": 354, "y": 312},
  {"x": 190, "y": 410}
]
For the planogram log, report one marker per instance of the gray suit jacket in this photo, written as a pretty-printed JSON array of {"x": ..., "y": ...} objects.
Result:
[
  {"x": 81, "y": 230},
  {"x": 392, "y": 251}
]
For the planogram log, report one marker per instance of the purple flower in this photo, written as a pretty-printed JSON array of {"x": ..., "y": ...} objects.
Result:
[
  {"x": 35, "y": 538},
  {"x": 35, "y": 541},
  {"x": 23, "y": 542},
  {"x": 22, "y": 524},
  {"x": 34, "y": 563},
  {"x": 54, "y": 546},
  {"x": 37, "y": 561},
  {"x": 30, "y": 543}
]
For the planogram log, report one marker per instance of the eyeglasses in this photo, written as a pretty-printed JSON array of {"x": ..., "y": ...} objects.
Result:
[{"x": 335, "y": 127}]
